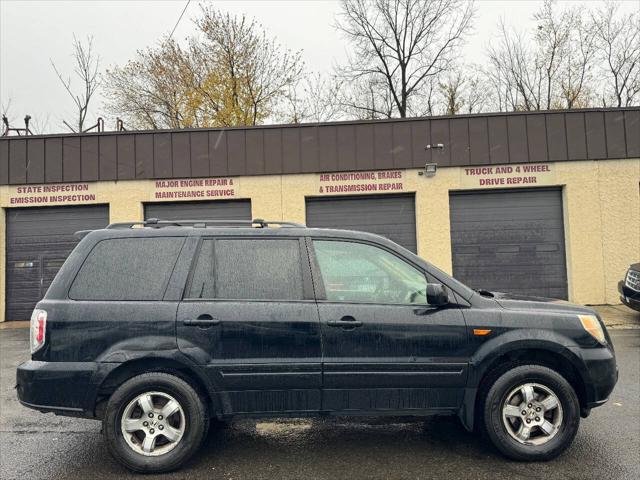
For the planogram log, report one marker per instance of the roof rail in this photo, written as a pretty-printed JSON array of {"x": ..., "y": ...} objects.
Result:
[{"x": 157, "y": 223}]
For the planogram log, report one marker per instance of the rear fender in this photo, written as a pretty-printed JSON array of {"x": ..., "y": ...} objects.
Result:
[{"x": 137, "y": 362}]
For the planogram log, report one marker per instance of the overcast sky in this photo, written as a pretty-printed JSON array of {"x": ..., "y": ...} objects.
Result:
[{"x": 34, "y": 32}]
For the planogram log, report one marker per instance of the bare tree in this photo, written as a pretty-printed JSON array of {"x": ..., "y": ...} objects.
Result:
[
  {"x": 5, "y": 107},
  {"x": 463, "y": 90},
  {"x": 366, "y": 98},
  {"x": 576, "y": 71},
  {"x": 515, "y": 73},
  {"x": 618, "y": 41},
  {"x": 40, "y": 124},
  {"x": 477, "y": 95},
  {"x": 87, "y": 64},
  {"x": 451, "y": 90},
  {"x": 552, "y": 40},
  {"x": 313, "y": 98},
  {"x": 551, "y": 70},
  {"x": 398, "y": 46},
  {"x": 525, "y": 74}
]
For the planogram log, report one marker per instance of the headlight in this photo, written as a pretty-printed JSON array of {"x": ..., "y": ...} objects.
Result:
[{"x": 591, "y": 324}]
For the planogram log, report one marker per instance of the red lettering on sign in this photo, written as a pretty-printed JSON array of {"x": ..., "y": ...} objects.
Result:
[{"x": 508, "y": 174}]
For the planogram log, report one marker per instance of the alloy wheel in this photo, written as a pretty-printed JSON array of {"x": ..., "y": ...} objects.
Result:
[
  {"x": 153, "y": 423},
  {"x": 532, "y": 414}
]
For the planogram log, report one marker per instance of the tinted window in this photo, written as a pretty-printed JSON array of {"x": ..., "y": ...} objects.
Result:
[
  {"x": 127, "y": 269},
  {"x": 202, "y": 280},
  {"x": 356, "y": 272},
  {"x": 260, "y": 269}
]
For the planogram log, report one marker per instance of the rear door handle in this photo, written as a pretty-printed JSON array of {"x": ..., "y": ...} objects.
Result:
[
  {"x": 345, "y": 322},
  {"x": 202, "y": 321}
]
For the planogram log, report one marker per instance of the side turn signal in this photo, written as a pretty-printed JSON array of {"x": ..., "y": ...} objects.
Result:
[{"x": 481, "y": 332}]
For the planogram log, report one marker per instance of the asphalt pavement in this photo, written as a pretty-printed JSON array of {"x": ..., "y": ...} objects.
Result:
[{"x": 43, "y": 446}]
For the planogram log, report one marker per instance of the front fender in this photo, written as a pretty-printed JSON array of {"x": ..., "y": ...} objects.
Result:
[
  {"x": 508, "y": 343},
  {"x": 518, "y": 340}
]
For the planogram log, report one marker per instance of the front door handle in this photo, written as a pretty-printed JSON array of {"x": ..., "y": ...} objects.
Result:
[
  {"x": 202, "y": 321},
  {"x": 345, "y": 322},
  {"x": 425, "y": 310}
]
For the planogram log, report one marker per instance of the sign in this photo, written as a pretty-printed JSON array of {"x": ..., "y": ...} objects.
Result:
[
  {"x": 506, "y": 176},
  {"x": 194, "y": 189},
  {"x": 362, "y": 182},
  {"x": 52, "y": 194}
]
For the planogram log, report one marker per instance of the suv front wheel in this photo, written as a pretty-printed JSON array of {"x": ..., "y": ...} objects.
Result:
[
  {"x": 154, "y": 422},
  {"x": 531, "y": 413}
]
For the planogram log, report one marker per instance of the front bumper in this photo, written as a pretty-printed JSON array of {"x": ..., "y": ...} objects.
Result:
[
  {"x": 600, "y": 374},
  {"x": 58, "y": 387},
  {"x": 629, "y": 297}
]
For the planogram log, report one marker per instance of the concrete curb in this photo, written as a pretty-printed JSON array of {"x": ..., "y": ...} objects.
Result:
[
  {"x": 11, "y": 325},
  {"x": 618, "y": 316}
]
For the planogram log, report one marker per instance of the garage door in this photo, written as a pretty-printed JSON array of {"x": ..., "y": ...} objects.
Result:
[
  {"x": 510, "y": 241},
  {"x": 393, "y": 216},
  {"x": 38, "y": 242},
  {"x": 214, "y": 210}
]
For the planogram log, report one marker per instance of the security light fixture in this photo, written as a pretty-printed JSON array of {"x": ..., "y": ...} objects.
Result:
[
  {"x": 430, "y": 170},
  {"x": 435, "y": 146}
]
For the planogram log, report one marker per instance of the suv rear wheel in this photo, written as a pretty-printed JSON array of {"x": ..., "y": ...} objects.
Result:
[
  {"x": 154, "y": 422},
  {"x": 531, "y": 413}
]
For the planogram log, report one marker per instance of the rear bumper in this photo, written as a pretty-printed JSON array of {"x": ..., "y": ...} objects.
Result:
[
  {"x": 629, "y": 297},
  {"x": 62, "y": 388}
]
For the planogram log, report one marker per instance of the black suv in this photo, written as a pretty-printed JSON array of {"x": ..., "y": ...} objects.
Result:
[
  {"x": 629, "y": 288},
  {"x": 157, "y": 327}
]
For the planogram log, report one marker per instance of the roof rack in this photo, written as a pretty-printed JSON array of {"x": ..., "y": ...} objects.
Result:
[{"x": 157, "y": 223}]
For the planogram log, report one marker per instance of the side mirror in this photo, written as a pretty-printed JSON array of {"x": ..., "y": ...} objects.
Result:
[{"x": 437, "y": 294}]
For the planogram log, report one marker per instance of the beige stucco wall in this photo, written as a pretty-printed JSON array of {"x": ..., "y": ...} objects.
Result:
[
  {"x": 601, "y": 209},
  {"x": 3, "y": 258}
]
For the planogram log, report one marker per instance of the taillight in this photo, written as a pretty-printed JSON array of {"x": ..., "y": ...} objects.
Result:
[{"x": 38, "y": 329}]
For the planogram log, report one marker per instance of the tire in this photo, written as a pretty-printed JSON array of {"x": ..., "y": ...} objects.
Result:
[
  {"x": 187, "y": 425},
  {"x": 551, "y": 429}
]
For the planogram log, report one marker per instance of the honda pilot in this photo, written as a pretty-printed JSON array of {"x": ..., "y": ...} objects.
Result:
[{"x": 157, "y": 327}]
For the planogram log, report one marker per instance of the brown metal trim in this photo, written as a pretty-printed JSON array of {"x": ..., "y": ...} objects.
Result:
[
  {"x": 515, "y": 137},
  {"x": 615, "y": 134},
  {"x": 35, "y": 165},
  {"x": 632, "y": 126},
  {"x": 576, "y": 138}
]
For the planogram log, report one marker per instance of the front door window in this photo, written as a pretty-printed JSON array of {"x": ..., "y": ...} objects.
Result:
[{"x": 361, "y": 273}]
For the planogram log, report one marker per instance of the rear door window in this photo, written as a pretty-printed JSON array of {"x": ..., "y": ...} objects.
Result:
[
  {"x": 248, "y": 269},
  {"x": 127, "y": 269},
  {"x": 202, "y": 280}
]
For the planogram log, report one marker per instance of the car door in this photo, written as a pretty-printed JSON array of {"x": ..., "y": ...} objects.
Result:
[
  {"x": 249, "y": 318},
  {"x": 384, "y": 347}
]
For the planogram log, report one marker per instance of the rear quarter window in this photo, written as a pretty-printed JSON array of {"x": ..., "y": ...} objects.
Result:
[{"x": 127, "y": 269}]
